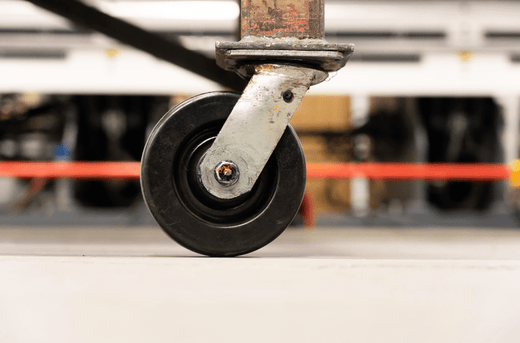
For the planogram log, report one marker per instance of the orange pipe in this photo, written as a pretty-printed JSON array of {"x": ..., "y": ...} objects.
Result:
[
  {"x": 335, "y": 171},
  {"x": 410, "y": 171},
  {"x": 71, "y": 170}
]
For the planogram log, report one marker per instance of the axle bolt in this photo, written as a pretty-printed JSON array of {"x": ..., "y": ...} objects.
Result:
[{"x": 226, "y": 173}]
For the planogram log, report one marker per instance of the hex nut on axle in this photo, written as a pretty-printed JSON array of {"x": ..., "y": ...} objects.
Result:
[{"x": 227, "y": 173}]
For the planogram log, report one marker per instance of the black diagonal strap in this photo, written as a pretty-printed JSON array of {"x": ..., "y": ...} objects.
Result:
[{"x": 168, "y": 50}]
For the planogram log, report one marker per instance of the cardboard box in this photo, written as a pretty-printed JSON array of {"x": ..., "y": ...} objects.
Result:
[{"x": 322, "y": 113}]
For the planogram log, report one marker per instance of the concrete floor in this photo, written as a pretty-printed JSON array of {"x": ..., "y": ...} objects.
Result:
[{"x": 116, "y": 284}]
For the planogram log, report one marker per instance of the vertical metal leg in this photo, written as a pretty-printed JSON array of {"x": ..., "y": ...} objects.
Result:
[
  {"x": 359, "y": 186},
  {"x": 511, "y": 112},
  {"x": 276, "y": 31},
  {"x": 282, "y": 19},
  {"x": 509, "y": 141}
]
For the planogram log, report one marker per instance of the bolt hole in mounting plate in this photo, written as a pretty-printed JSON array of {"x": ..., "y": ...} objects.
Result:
[{"x": 287, "y": 96}]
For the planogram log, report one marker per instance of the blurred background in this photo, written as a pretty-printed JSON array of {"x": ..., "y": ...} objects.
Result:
[
  {"x": 430, "y": 81},
  {"x": 389, "y": 261}
]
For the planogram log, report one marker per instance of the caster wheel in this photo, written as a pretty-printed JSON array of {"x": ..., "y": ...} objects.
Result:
[{"x": 187, "y": 212}]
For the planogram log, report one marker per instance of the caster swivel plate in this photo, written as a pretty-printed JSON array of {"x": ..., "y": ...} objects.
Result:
[{"x": 192, "y": 216}]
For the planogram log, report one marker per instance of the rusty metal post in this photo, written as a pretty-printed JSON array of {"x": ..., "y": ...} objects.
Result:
[
  {"x": 282, "y": 31},
  {"x": 300, "y": 19}
]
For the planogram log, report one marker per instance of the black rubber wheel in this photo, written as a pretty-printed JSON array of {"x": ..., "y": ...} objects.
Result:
[{"x": 192, "y": 216}]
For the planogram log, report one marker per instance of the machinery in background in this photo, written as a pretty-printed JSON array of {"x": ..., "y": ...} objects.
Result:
[
  {"x": 415, "y": 53},
  {"x": 31, "y": 128},
  {"x": 462, "y": 130},
  {"x": 408, "y": 130},
  {"x": 73, "y": 128},
  {"x": 435, "y": 130},
  {"x": 114, "y": 128}
]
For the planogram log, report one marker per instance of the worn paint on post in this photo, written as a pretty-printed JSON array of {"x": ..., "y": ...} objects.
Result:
[{"x": 282, "y": 18}]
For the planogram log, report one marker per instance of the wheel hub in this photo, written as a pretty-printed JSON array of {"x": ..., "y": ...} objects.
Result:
[{"x": 227, "y": 173}]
